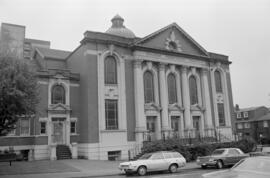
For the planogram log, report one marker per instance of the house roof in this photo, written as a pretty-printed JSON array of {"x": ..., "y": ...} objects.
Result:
[
  {"x": 53, "y": 53},
  {"x": 263, "y": 118},
  {"x": 249, "y": 109}
]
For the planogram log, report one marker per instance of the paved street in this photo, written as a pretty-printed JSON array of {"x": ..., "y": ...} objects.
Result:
[
  {"x": 85, "y": 169},
  {"x": 182, "y": 173}
]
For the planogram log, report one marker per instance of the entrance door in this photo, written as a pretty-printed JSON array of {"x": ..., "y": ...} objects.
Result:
[
  {"x": 58, "y": 132},
  {"x": 196, "y": 125},
  {"x": 175, "y": 125},
  {"x": 151, "y": 127}
]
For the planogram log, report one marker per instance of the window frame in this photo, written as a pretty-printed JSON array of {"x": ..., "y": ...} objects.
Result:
[
  {"x": 148, "y": 98},
  {"x": 75, "y": 127},
  {"x": 53, "y": 94},
  {"x": 218, "y": 81},
  {"x": 43, "y": 122},
  {"x": 116, "y": 114},
  {"x": 245, "y": 114},
  {"x": 239, "y": 125},
  {"x": 265, "y": 124},
  {"x": 219, "y": 114},
  {"x": 247, "y": 125},
  {"x": 172, "y": 91},
  {"x": 110, "y": 69},
  {"x": 24, "y": 134},
  {"x": 193, "y": 90},
  {"x": 238, "y": 115}
]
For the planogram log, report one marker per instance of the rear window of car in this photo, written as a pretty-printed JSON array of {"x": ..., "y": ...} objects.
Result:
[
  {"x": 168, "y": 155},
  {"x": 218, "y": 152},
  {"x": 177, "y": 155}
]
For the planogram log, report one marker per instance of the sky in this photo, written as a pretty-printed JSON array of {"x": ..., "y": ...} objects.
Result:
[{"x": 237, "y": 28}]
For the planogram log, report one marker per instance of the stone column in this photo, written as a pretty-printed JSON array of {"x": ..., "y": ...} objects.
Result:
[
  {"x": 206, "y": 102},
  {"x": 186, "y": 99},
  {"x": 163, "y": 99},
  {"x": 139, "y": 101},
  {"x": 52, "y": 152},
  {"x": 74, "y": 150}
]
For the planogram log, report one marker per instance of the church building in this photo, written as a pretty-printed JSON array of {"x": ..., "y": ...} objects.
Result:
[{"x": 116, "y": 90}]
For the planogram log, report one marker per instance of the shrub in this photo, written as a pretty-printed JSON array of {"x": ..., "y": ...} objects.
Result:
[{"x": 191, "y": 152}]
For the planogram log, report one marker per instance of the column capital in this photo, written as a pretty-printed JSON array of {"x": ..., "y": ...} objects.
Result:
[
  {"x": 137, "y": 63},
  {"x": 162, "y": 66},
  {"x": 204, "y": 70},
  {"x": 184, "y": 68}
]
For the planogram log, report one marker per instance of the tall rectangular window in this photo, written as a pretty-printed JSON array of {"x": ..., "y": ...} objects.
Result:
[
  {"x": 72, "y": 127},
  {"x": 43, "y": 128},
  {"x": 221, "y": 114},
  {"x": 265, "y": 124},
  {"x": 111, "y": 114},
  {"x": 25, "y": 126}
]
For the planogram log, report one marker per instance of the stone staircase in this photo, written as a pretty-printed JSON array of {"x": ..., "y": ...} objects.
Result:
[{"x": 63, "y": 152}]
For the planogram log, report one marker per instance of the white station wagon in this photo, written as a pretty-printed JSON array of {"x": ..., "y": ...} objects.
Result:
[{"x": 157, "y": 161}]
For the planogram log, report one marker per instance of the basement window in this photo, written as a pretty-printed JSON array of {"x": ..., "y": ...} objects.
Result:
[{"x": 114, "y": 155}]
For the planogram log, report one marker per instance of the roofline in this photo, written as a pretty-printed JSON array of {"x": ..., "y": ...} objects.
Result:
[
  {"x": 3, "y": 23},
  {"x": 205, "y": 58},
  {"x": 181, "y": 30}
]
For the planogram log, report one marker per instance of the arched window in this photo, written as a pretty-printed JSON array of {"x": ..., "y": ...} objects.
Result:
[
  {"x": 193, "y": 90},
  {"x": 110, "y": 69},
  {"x": 148, "y": 87},
  {"x": 218, "y": 82},
  {"x": 172, "y": 93},
  {"x": 58, "y": 94}
]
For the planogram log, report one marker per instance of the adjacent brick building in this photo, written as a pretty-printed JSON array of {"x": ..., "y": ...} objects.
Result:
[{"x": 253, "y": 122}]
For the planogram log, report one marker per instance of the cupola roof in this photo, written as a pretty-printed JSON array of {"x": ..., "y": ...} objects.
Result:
[{"x": 119, "y": 29}]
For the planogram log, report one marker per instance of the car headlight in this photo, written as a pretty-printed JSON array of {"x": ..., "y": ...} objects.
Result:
[
  {"x": 212, "y": 160},
  {"x": 198, "y": 160}
]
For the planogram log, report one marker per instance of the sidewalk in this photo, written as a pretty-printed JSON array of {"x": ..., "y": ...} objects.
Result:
[{"x": 64, "y": 168}]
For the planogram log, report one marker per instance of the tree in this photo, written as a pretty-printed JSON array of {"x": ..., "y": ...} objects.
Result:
[{"x": 18, "y": 92}]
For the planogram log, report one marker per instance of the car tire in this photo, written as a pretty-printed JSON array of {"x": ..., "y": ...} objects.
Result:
[
  {"x": 203, "y": 166},
  {"x": 173, "y": 168},
  {"x": 141, "y": 170},
  {"x": 219, "y": 164}
]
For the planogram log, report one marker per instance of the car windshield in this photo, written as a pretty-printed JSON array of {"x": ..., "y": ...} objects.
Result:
[
  {"x": 145, "y": 156},
  {"x": 218, "y": 152},
  {"x": 254, "y": 164}
]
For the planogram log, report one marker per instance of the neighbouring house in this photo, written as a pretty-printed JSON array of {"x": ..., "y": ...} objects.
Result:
[
  {"x": 116, "y": 90},
  {"x": 253, "y": 122}
]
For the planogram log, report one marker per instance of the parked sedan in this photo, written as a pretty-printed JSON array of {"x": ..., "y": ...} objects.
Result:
[
  {"x": 261, "y": 151},
  {"x": 222, "y": 157},
  {"x": 253, "y": 167},
  {"x": 157, "y": 161}
]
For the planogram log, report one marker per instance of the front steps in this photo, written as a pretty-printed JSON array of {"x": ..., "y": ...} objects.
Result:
[{"x": 63, "y": 152}]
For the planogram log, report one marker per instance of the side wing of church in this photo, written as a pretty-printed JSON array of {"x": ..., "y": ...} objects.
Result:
[{"x": 115, "y": 91}]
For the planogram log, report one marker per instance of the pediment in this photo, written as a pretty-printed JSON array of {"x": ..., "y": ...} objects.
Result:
[
  {"x": 152, "y": 106},
  {"x": 59, "y": 108},
  {"x": 172, "y": 38},
  {"x": 197, "y": 107},
  {"x": 175, "y": 107}
]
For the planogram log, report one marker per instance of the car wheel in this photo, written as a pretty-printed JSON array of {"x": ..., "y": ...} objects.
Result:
[
  {"x": 141, "y": 171},
  {"x": 203, "y": 166},
  {"x": 173, "y": 168},
  {"x": 128, "y": 173},
  {"x": 219, "y": 164}
]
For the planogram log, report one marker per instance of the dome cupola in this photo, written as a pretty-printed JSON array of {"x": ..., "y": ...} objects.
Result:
[{"x": 119, "y": 29}]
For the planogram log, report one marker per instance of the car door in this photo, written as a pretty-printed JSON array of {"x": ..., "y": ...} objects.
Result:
[
  {"x": 239, "y": 155},
  {"x": 157, "y": 162},
  {"x": 230, "y": 157}
]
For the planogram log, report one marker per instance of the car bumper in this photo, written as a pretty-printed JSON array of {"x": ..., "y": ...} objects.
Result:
[
  {"x": 128, "y": 169},
  {"x": 208, "y": 163}
]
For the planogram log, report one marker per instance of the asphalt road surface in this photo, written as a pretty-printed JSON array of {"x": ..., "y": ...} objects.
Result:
[{"x": 184, "y": 173}]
